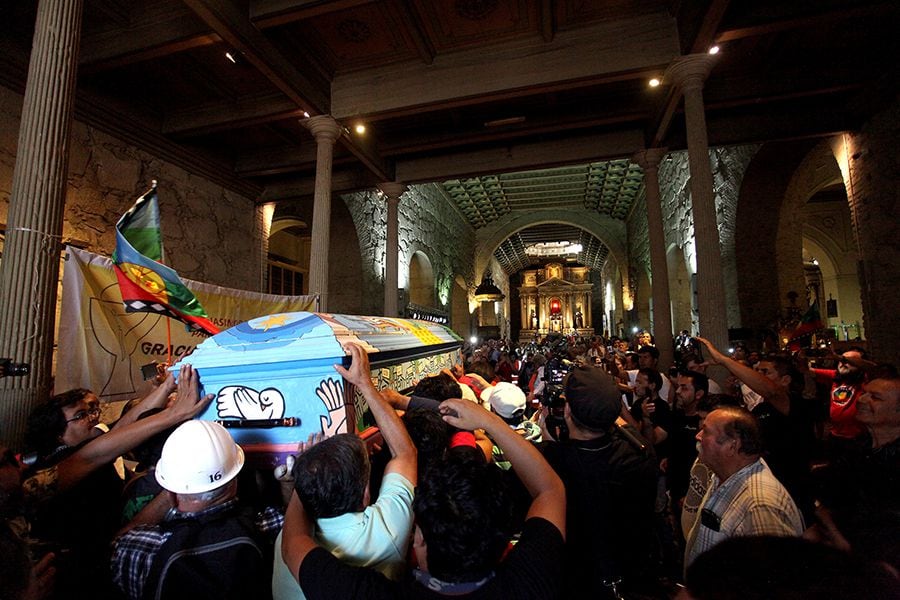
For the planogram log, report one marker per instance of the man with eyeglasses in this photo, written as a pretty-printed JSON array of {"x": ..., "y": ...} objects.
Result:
[{"x": 74, "y": 487}]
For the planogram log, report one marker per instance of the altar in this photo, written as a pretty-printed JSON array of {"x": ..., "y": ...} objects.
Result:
[{"x": 555, "y": 299}]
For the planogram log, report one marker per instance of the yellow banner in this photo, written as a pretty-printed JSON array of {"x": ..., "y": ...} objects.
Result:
[{"x": 102, "y": 348}]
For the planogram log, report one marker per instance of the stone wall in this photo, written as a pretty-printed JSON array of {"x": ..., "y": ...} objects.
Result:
[
  {"x": 211, "y": 234},
  {"x": 430, "y": 224},
  {"x": 728, "y": 166}
]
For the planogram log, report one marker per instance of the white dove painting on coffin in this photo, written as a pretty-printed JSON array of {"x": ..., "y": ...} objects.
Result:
[{"x": 274, "y": 382}]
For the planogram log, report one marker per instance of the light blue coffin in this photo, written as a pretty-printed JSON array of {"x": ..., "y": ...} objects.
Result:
[{"x": 272, "y": 369}]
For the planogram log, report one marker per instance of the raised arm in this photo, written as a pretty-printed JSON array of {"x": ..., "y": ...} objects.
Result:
[
  {"x": 403, "y": 451},
  {"x": 157, "y": 398},
  {"x": 105, "y": 448},
  {"x": 765, "y": 387},
  {"x": 546, "y": 488},
  {"x": 297, "y": 538}
]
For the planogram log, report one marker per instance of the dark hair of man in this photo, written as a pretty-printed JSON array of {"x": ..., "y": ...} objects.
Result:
[
  {"x": 430, "y": 435},
  {"x": 651, "y": 350},
  {"x": 699, "y": 381},
  {"x": 711, "y": 402},
  {"x": 653, "y": 376},
  {"x": 47, "y": 423},
  {"x": 462, "y": 507},
  {"x": 690, "y": 357},
  {"x": 744, "y": 428},
  {"x": 783, "y": 364},
  {"x": 794, "y": 568},
  {"x": 863, "y": 354},
  {"x": 483, "y": 368},
  {"x": 331, "y": 477},
  {"x": 438, "y": 387}
]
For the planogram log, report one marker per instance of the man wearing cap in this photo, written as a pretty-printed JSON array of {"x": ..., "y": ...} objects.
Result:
[
  {"x": 508, "y": 401},
  {"x": 610, "y": 476},
  {"x": 194, "y": 540}
]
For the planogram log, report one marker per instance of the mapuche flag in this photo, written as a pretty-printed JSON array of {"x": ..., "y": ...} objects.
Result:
[{"x": 147, "y": 285}]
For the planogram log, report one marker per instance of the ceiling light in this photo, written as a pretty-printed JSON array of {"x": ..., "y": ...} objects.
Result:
[
  {"x": 713, "y": 49},
  {"x": 654, "y": 82},
  {"x": 360, "y": 128},
  {"x": 305, "y": 115},
  {"x": 232, "y": 56}
]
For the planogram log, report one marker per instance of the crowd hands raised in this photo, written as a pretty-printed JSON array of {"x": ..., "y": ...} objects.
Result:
[{"x": 567, "y": 469}]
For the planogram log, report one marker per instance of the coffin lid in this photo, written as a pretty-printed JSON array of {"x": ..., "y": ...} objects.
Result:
[{"x": 303, "y": 336}]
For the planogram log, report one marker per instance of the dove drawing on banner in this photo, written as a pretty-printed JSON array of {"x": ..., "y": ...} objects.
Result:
[{"x": 241, "y": 402}]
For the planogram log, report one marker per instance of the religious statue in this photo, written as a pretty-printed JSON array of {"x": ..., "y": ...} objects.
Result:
[
  {"x": 579, "y": 318},
  {"x": 534, "y": 322}
]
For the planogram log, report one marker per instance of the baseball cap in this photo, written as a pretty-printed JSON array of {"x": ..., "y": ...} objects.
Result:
[
  {"x": 506, "y": 399},
  {"x": 593, "y": 398}
]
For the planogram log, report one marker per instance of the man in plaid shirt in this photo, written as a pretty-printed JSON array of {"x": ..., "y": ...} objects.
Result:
[
  {"x": 197, "y": 522},
  {"x": 743, "y": 498}
]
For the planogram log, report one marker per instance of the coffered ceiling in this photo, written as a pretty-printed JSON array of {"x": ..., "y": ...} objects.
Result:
[{"x": 512, "y": 104}]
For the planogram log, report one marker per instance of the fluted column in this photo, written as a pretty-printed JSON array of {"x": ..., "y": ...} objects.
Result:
[
  {"x": 662, "y": 315},
  {"x": 30, "y": 267},
  {"x": 689, "y": 73},
  {"x": 326, "y": 131},
  {"x": 392, "y": 192}
]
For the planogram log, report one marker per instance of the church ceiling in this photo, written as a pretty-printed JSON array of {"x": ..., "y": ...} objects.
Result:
[{"x": 608, "y": 188}]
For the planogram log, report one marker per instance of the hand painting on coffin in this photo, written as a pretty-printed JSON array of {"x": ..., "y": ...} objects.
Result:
[
  {"x": 330, "y": 392},
  {"x": 241, "y": 402}
]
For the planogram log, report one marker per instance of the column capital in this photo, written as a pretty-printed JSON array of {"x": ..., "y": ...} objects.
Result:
[
  {"x": 323, "y": 127},
  {"x": 690, "y": 71},
  {"x": 649, "y": 158},
  {"x": 392, "y": 189}
]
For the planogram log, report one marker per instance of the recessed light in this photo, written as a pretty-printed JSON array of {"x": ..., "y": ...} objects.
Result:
[
  {"x": 360, "y": 128},
  {"x": 654, "y": 82},
  {"x": 713, "y": 49}
]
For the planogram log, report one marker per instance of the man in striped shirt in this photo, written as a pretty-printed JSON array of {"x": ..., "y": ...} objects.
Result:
[{"x": 743, "y": 498}]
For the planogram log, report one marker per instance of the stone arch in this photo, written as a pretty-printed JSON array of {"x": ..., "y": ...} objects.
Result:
[
  {"x": 421, "y": 279},
  {"x": 761, "y": 196},
  {"x": 606, "y": 229},
  {"x": 818, "y": 170}
]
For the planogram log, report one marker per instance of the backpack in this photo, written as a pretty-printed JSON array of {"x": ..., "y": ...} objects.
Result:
[{"x": 221, "y": 556}]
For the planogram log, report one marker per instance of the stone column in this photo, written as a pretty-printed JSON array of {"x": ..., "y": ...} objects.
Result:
[
  {"x": 30, "y": 268},
  {"x": 326, "y": 131},
  {"x": 662, "y": 315},
  {"x": 392, "y": 192},
  {"x": 689, "y": 73}
]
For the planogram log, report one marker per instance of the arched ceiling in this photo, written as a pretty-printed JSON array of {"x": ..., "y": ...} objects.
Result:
[
  {"x": 606, "y": 188},
  {"x": 512, "y": 257}
]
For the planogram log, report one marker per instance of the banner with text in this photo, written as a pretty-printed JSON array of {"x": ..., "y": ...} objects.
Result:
[{"x": 102, "y": 348}]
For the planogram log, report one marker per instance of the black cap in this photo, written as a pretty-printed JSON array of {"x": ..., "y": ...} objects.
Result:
[{"x": 593, "y": 398}]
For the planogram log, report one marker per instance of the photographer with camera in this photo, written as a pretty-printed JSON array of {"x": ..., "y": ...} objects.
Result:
[{"x": 610, "y": 478}]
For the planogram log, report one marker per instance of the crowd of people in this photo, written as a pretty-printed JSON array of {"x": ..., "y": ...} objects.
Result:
[{"x": 570, "y": 468}]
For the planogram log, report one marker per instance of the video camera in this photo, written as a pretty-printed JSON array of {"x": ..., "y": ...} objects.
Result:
[
  {"x": 555, "y": 372},
  {"x": 10, "y": 369}
]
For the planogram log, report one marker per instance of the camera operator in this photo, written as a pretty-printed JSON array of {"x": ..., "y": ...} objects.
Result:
[{"x": 610, "y": 478}]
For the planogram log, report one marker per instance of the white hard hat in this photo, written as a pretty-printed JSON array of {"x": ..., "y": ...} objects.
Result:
[{"x": 198, "y": 457}]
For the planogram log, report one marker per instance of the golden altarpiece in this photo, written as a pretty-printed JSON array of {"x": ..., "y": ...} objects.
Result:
[{"x": 556, "y": 299}]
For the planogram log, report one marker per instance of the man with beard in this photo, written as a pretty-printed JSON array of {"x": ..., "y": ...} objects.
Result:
[{"x": 846, "y": 388}]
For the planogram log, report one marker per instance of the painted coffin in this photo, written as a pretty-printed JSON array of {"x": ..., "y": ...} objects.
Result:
[{"x": 274, "y": 381}]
